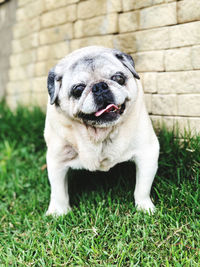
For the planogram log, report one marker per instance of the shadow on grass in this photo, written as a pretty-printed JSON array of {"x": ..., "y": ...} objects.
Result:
[{"x": 119, "y": 179}]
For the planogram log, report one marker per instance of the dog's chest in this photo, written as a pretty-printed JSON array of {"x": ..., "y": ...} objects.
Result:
[{"x": 103, "y": 156}]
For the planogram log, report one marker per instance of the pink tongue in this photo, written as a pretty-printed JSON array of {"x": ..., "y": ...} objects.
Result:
[{"x": 107, "y": 109}]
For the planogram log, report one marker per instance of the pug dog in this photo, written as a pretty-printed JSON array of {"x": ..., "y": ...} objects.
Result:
[{"x": 96, "y": 117}]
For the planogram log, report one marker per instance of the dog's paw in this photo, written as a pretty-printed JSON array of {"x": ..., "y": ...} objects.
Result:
[
  {"x": 57, "y": 210},
  {"x": 146, "y": 206}
]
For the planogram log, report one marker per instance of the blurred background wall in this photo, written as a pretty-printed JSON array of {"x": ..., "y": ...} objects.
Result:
[{"x": 163, "y": 36}]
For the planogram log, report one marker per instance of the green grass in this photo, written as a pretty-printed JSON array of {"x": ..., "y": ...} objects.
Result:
[{"x": 104, "y": 228}]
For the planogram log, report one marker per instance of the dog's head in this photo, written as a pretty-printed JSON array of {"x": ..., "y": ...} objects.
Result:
[{"x": 95, "y": 85}]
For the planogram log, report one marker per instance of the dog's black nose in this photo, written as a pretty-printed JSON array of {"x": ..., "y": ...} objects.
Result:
[{"x": 99, "y": 87}]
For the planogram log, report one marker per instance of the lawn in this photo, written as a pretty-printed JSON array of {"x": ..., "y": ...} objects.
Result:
[{"x": 103, "y": 228}]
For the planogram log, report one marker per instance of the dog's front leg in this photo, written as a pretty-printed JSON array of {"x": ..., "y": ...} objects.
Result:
[
  {"x": 146, "y": 167},
  {"x": 57, "y": 173}
]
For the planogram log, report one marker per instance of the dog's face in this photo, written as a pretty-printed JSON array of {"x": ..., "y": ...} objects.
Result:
[{"x": 94, "y": 85}]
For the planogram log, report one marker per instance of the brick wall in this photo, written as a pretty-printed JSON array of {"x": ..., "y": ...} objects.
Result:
[
  {"x": 7, "y": 19},
  {"x": 163, "y": 36}
]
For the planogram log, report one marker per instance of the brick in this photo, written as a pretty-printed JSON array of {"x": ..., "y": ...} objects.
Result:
[
  {"x": 149, "y": 82},
  {"x": 157, "y": 16},
  {"x": 23, "y": 2},
  {"x": 54, "y": 51},
  {"x": 164, "y": 104},
  {"x": 28, "y": 42},
  {"x": 196, "y": 57},
  {"x": 125, "y": 42},
  {"x": 21, "y": 73},
  {"x": 25, "y": 57},
  {"x": 156, "y": 2},
  {"x": 96, "y": 26},
  {"x": 59, "y": 16},
  {"x": 149, "y": 61},
  {"x": 89, "y": 9},
  {"x": 31, "y": 10},
  {"x": 23, "y": 28},
  {"x": 189, "y": 105},
  {"x": 182, "y": 82},
  {"x": 129, "y": 21},
  {"x": 184, "y": 34},
  {"x": 40, "y": 100},
  {"x": 178, "y": 59},
  {"x": 60, "y": 50},
  {"x": 106, "y": 40},
  {"x": 191, "y": 125},
  {"x": 44, "y": 53},
  {"x": 188, "y": 10},
  {"x": 17, "y": 87},
  {"x": 42, "y": 68},
  {"x": 154, "y": 39},
  {"x": 56, "y": 34},
  {"x": 148, "y": 102},
  {"x": 182, "y": 124},
  {"x": 135, "y": 4},
  {"x": 53, "y": 4},
  {"x": 39, "y": 84}
]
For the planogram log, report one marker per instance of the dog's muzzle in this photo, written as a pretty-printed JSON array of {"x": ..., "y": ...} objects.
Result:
[
  {"x": 107, "y": 110},
  {"x": 102, "y": 95}
]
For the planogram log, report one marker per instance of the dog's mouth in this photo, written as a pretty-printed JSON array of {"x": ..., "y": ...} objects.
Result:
[{"x": 109, "y": 113}]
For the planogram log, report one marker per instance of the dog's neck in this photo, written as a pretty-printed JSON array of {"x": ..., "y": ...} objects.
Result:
[{"x": 99, "y": 135}]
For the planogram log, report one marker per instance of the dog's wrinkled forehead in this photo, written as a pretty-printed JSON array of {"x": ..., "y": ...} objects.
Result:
[{"x": 90, "y": 63}]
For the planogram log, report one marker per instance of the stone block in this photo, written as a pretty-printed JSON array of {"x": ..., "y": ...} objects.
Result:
[
  {"x": 185, "y": 34},
  {"x": 188, "y": 105},
  {"x": 178, "y": 59},
  {"x": 23, "y": 28},
  {"x": 125, "y": 42},
  {"x": 39, "y": 85},
  {"x": 154, "y": 39},
  {"x": 129, "y": 21},
  {"x": 21, "y": 73},
  {"x": 157, "y": 16},
  {"x": 106, "y": 40},
  {"x": 164, "y": 104},
  {"x": 188, "y": 10},
  {"x": 53, "y": 4},
  {"x": 90, "y": 8},
  {"x": 196, "y": 57},
  {"x": 149, "y": 61},
  {"x": 40, "y": 99},
  {"x": 56, "y": 34},
  {"x": 149, "y": 82},
  {"x": 31, "y": 10},
  {"x": 44, "y": 52},
  {"x": 42, "y": 68},
  {"x": 96, "y": 26},
  {"x": 54, "y": 51},
  {"x": 18, "y": 87},
  {"x": 58, "y": 16},
  {"x": 135, "y": 4},
  {"x": 183, "y": 82},
  {"x": 28, "y": 42},
  {"x": 23, "y": 58},
  {"x": 148, "y": 102},
  {"x": 60, "y": 50},
  {"x": 23, "y": 2}
]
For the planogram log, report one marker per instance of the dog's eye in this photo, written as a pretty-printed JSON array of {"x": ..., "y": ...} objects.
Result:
[
  {"x": 77, "y": 90},
  {"x": 119, "y": 79}
]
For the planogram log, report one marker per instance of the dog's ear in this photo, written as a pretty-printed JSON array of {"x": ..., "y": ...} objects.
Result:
[
  {"x": 54, "y": 83},
  {"x": 128, "y": 62}
]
